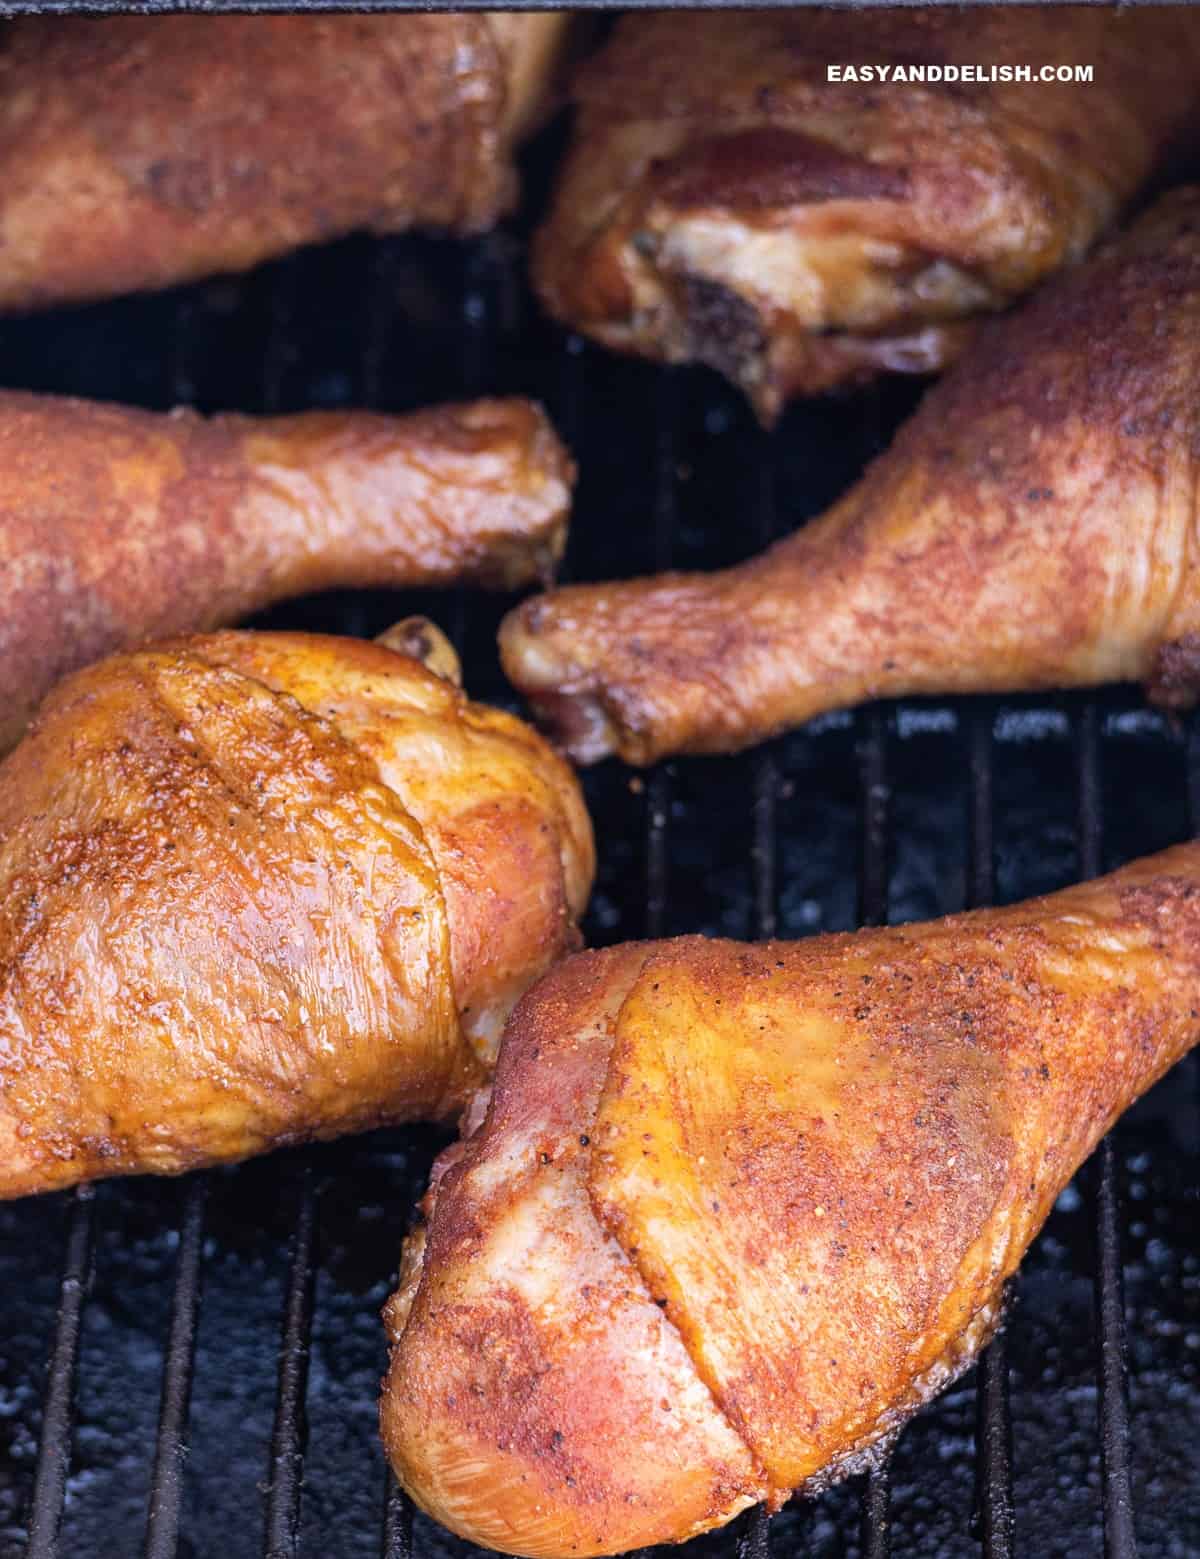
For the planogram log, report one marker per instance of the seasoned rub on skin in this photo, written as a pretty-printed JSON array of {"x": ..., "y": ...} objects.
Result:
[
  {"x": 1034, "y": 525},
  {"x": 119, "y": 525},
  {"x": 735, "y": 1212},
  {"x": 260, "y": 888},
  {"x": 723, "y": 201},
  {"x": 141, "y": 151}
]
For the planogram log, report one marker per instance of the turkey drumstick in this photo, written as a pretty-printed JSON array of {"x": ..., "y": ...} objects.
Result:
[
  {"x": 1033, "y": 525},
  {"x": 725, "y": 201},
  {"x": 737, "y": 1211},
  {"x": 257, "y": 888},
  {"x": 119, "y": 525},
  {"x": 141, "y": 151}
]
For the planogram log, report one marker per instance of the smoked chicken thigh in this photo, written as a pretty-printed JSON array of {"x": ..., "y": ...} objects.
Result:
[
  {"x": 257, "y": 888},
  {"x": 736, "y": 1211},
  {"x": 724, "y": 201},
  {"x": 1034, "y": 525}
]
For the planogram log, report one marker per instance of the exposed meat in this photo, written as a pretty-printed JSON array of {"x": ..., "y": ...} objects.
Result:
[
  {"x": 1033, "y": 525},
  {"x": 724, "y": 201}
]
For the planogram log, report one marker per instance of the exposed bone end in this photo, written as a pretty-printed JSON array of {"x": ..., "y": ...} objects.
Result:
[{"x": 422, "y": 640}]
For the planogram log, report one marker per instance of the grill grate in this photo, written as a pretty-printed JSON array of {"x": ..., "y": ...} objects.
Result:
[
  {"x": 166, "y": 1482},
  {"x": 994, "y": 1433},
  {"x": 893, "y": 812},
  {"x": 1119, "y": 1542},
  {"x": 55, "y": 1449}
]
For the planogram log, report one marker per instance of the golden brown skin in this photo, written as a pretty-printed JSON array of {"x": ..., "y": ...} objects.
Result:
[
  {"x": 257, "y": 888},
  {"x": 1033, "y": 525},
  {"x": 736, "y": 1211},
  {"x": 137, "y": 152},
  {"x": 725, "y": 202},
  {"x": 119, "y": 525}
]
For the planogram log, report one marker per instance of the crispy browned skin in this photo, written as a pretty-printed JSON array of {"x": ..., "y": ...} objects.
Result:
[
  {"x": 724, "y": 201},
  {"x": 136, "y": 152},
  {"x": 118, "y": 525},
  {"x": 257, "y": 888},
  {"x": 1034, "y": 525},
  {"x": 735, "y": 1212}
]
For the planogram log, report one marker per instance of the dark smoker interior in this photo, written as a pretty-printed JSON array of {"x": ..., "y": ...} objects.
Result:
[{"x": 238, "y": 1310}]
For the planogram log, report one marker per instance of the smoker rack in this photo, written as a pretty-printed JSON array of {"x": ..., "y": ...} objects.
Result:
[{"x": 188, "y": 1368}]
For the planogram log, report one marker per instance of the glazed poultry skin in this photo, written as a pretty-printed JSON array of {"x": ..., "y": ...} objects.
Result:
[
  {"x": 139, "y": 152},
  {"x": 723, "y": 201},
  {"x": 1033, "y": 525},
  {"x": 735, "y": 1212},
  {"x": 259, "y": 888},
  {"x": 119, "y": 525}
]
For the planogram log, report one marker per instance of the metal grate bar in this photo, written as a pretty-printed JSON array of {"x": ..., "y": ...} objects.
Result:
[
  {"x": 981, "y": 885},
  {"x": 754, "y": 1541},
  {"x": 766, "y": 791},
  {"x": 166, "y": 1482},
  {"x": 658, "y": 816},
  {"x": 180, "y": 382},
  {"x": 1116, "y": 1490},
  {"x": 288, "y": 1435},
  {"x": 875, "y": 1536},
  {"x": 379, "y": 318},
  {"x": 873, "y": 876},
  {"x": 477, "y": 336},
  {"x": 570, "y": 415},
  {"x": 398, "y": 1509},
  {"x": 994, "y": 1453},
  {"x": 170, "y": 1448},
  {"x": 286, "y": 1460},
  {"x": 1091, "y": 822},
  {"x": 478, "y": 320},
  {"x": 397, "y": 1522},
  {"x": 54, "y": 1448},
  {"x": 994, "y": 1491},
  {"x": 278, "y": 352},
  {"x": 766, "y": 773},
  {"x": 658, "y": 784}
]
